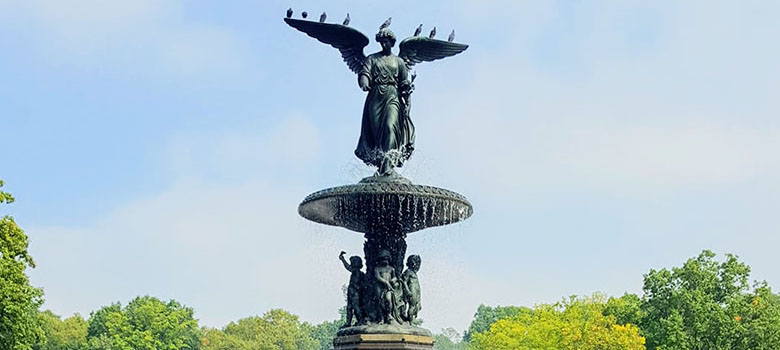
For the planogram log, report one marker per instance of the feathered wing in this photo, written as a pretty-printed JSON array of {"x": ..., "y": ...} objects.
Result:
[
  {"x": 350, "y": 42},
  {"x": 418, "y": 49}
]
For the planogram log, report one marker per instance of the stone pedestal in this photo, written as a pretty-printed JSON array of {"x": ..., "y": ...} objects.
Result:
[{"x": 383, "y": 342}]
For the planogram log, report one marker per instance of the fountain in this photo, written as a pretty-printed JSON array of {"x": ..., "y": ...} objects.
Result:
[{"x": 384, "y": 300}]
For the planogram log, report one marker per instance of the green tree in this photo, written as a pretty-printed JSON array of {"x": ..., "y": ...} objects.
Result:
[
  {"x": 19, "y": 301},
  {"x": 275, "y": 330},
  {"x": 146, "y": 323},
  {"x": 326, "y": 331},
  {"x": 449, "y": 339},
  {"x": 67, "y": 334},
  {"x": 487, "y": 315},
  {"x": 216, "y": 339},
  {"x": 626, "y": 309},
  {"x": 574, "y": 324},
  {"x": 709, "y": 305}
]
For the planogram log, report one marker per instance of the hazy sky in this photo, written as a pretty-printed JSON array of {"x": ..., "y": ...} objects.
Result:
[{"x": 161, "y": 147}]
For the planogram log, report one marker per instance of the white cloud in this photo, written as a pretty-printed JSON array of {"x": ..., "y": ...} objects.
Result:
[
  {"x": 290, "y": 147},
  {"x": 635, "y": 117},
  {"x": 632, "y": 159},
  {"x": 204, "y": 241},
  {"x": 152, "y": 34},
  {"x": 233, "y": 248}
]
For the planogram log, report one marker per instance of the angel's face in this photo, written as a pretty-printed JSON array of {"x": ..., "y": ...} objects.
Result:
[{"x": 387, "y": 44}]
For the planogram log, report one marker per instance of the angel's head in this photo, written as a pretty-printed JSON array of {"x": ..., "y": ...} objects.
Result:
[{"x": 386, "y": 38}]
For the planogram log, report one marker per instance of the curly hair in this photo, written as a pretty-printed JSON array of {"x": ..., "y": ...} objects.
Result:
[
  {"x": 385, "y": 34},
  {"x": 413, "y": 260}
]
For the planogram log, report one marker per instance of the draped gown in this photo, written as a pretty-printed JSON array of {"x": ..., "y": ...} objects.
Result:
[{"x": 387, "y": 132}]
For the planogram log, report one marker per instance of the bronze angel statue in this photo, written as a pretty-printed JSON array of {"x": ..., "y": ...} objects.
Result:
[{"x": 387, "y": 132}]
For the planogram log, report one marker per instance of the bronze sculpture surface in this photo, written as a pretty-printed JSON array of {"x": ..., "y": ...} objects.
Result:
[
  {"x": 386, "y": 298},
  {"x": 387, "y": 132},
  {"x": 411, "y": 285},
  {"x": 354, "y": 289}
]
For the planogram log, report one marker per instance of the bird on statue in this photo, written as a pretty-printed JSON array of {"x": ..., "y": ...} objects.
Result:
[
  {"x": 323, "y": 17},
  {"x": 418, "y": 30},
  {"x": 387, "y": 133},
  {"x": 346, "y": 20},
  {"x": 433, "y": 33},
  {"x": 289, "y": 12},
  {"x": 304, "y": 14},
  {"x": 452, "y": 36}
]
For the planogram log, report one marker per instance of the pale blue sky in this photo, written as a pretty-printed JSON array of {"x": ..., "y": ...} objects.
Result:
[{"x": 161, "y": 147}]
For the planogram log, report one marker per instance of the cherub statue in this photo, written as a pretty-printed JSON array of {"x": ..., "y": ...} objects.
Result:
[
  {"x": 354, "y": 290},
  {"x": 388, "y": 290},
  {"x": 412, "y": 287},
  {"x": 387, "y": 132}
]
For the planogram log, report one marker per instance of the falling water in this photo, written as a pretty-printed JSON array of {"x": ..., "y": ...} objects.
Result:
[{"x": 402, "y": 209}]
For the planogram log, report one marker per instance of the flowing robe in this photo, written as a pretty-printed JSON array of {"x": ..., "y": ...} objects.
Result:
[{"x": 386, "y": 132}]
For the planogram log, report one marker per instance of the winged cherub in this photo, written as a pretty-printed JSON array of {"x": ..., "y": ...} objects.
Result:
[{"x": 387, "y": 132}]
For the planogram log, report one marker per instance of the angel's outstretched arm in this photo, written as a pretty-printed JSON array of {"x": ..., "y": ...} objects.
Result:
[{"x": 364, "y": 76}]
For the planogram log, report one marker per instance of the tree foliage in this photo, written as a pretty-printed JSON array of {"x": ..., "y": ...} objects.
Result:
[
  {"x": 486, "y": 316},
  {"x": 449, "y": 339},
  {"x": 702, "y": 305},
  {"x": 275, "y": 330},
  {"x": 67, "y": 334},
  {"x": 19, "y": 301},
  {"x": 626, "y": 309},
  {"x": 326, "y": 331},
  {"x": 5, "y": 197},
  {"x": 146, "y": 323},
  {"x": 709, "y": 305},
  {"x": 574, "y": 324}
]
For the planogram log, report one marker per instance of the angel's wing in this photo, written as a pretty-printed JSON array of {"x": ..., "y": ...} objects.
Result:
[
  {"x": 418, "y": 49},
  {"x": 350, "y": 42}
]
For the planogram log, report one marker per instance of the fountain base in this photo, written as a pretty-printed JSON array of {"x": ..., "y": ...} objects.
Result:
[
  {"x": 386, "y": 298},
  {"x": 402, "y": 329},
  {"x": 383, "y": 341}
]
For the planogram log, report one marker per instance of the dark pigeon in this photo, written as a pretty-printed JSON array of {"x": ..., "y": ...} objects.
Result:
[{"x": 418, "y": 30}]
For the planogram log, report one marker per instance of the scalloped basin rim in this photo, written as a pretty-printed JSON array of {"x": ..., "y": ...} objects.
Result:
[{"x": 390, "y": 208}]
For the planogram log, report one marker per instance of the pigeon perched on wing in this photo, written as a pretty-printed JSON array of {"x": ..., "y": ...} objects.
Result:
[
  {"x": 304, "y": 14},
  {"x": 346, "y": 20},
  {"x": 452, "y": 36},
  {"x": 289, "y": 12},
  {"x": 323, "y": 17},
  {"x": 418, "y": 30},
  {"x": 386, "y": 24},
  {"x": 433, "y": 33}
]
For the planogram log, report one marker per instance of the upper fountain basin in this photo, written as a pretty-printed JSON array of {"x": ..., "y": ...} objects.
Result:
[{"x": 385, "y": 207}]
